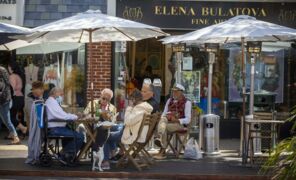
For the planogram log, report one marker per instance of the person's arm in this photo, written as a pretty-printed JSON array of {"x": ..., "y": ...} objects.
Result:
[
  {"x": 187, "y": 114},
  {"x": 55, "y": 111},
  {"x": 164, "y": 113},
  {"x": 88, "y": 108},
  {"x": 12, "y": 81}
]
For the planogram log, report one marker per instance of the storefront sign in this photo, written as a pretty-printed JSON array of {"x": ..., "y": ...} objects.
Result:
[
  {"x": 12, "y": 11},
  {"x": 199, "y": 14}
]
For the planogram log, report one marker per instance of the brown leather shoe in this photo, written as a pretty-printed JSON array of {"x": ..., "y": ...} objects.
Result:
[{"x": 160, "y": 156}]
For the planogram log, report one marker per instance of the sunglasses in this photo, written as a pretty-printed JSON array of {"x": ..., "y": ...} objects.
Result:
[{"x": 105, "y": 99}]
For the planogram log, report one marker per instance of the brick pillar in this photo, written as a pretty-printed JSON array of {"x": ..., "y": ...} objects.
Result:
[{"x": 101, "y": 63}]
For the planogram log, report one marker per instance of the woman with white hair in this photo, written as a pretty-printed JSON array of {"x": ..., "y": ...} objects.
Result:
[
  {"x": 103, "y": 103},
  {"x": 106, "y": 111},
  {"x": 55, "y": 112}
]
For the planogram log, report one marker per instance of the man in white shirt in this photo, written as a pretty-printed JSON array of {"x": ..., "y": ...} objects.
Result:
[
  {"x": 55, "y": 112},
  {"x": 176, "y": 115}
]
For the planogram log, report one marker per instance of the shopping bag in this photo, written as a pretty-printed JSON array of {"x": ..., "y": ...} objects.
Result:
[{"x": 192, "y": 150}]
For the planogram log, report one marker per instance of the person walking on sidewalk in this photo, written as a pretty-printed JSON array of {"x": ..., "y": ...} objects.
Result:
[
  {"x": 16, "y": 79},
  {"x": 5, "y": 104}
]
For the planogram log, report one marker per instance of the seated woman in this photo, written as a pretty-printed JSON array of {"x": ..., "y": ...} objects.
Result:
[
  {"x": 55, "y": 111},
  {"x": 133, "y": 117}
]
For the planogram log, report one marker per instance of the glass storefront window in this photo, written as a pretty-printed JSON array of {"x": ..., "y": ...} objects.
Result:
[
  {"x": 120, "y": 78},
  {"x": 60, "y": 69}
]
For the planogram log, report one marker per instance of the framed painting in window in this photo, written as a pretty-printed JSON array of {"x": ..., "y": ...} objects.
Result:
[{"x": 154, "y": 61}]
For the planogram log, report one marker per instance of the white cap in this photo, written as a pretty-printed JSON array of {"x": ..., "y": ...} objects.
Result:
[{"x": 178, "y": 86}]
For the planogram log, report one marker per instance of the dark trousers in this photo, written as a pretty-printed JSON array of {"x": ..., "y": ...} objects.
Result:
[
  {"x": 17, "y": 110},
  {"x": 69, "y": 145}
]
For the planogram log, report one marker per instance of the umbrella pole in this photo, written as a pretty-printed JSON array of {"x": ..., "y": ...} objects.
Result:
[
  {"x": 244, "y": 155},
  {"x": 133, "y": 58},
  {"x": 91, "y": 74},
  {"x": 178, "y": 65}
]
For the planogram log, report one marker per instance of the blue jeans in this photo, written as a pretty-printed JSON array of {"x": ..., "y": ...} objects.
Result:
[
  {"x": 113, "y": 140},
  {"x": 5, "y": 116},
  {"x": 69, "y": 145}
]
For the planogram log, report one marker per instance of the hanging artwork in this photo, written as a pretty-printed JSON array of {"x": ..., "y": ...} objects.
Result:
[
  {"x": 269, "y": 74},
  {"x": 191, "y": 82},
  {"x": 154, "y": 61}
]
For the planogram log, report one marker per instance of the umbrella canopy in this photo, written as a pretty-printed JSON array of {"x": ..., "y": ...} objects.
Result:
[
  {"x": 8, "y": 28},
  {"x": 49, "y": 47},
  {"x": 102, "y": 27},
  {"x": 234, "y": 29},
  {"x": 14, "y": 44},
  {"x": 239, "y": 29},
  {"x": 92, "y": 26}
]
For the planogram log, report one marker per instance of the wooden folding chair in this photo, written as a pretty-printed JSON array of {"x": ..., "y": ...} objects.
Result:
[
  {"x": 155, "y": 119},
  {"x": 181, "y": 135},
  {"x": 136, "y": 149}
]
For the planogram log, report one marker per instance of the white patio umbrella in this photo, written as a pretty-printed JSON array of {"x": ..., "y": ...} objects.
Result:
[
  {"x": 101, "y": 27},
  {"x": 14, "y": 44},
  {"x": 239, "y": 29},
  {"x": 48, "y": 47},
  {"x": 92, "y": 26},
  {"x": 13, "y": 29},
  {"x": 9, "y": 29},
  {"x": 234, "y": 30}
]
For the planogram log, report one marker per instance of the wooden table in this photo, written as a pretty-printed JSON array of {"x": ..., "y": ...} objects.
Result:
[
  {"x": 88, "y": 123},
  {"x": 91, "y": 134}
]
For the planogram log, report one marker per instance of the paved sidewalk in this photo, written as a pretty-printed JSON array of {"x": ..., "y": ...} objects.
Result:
[{"x": 226, "y": 165}]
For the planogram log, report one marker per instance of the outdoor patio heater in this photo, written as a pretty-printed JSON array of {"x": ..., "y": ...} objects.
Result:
[
  {"x": 254, "y": 48},
  {"x": 209, "y": 123}
]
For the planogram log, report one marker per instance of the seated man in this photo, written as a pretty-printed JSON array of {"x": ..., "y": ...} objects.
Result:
[
  {"x": 106, "y": 111},
  {"x": 147, "y": 93},
  {"x": 55, "y": 111},
  {"x": 176, "y": 115}
]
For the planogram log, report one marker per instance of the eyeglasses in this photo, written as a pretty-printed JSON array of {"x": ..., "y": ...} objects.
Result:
[{"x": 105, "y": 99}]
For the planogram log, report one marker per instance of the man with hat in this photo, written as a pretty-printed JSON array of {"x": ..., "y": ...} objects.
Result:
[{"x": 176, "y": 115}]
